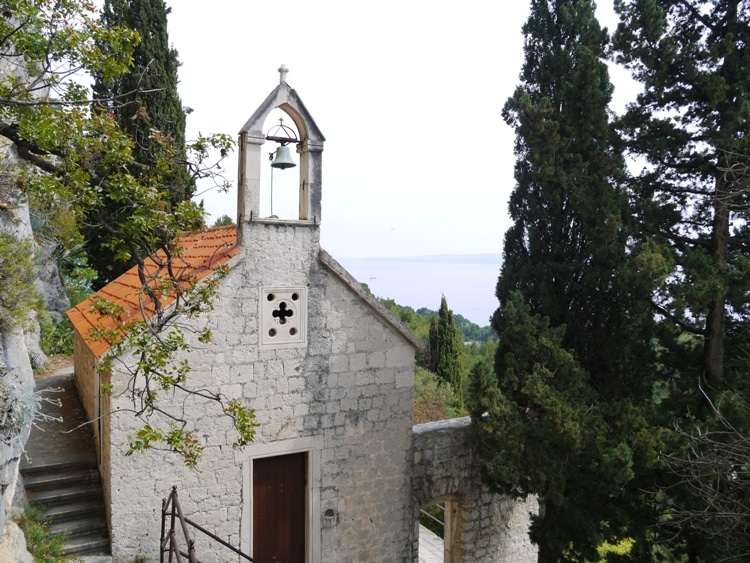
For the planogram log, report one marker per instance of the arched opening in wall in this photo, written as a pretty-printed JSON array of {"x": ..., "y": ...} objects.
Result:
[
  {"x": 279, "y": 187},
  {"x": 437, "y": 527}
]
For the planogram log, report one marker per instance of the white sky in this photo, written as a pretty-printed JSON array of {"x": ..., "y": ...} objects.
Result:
[{"x": 408, "y": 94}]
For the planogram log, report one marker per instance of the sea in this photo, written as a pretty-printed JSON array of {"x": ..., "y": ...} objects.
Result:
[{"x": 467, "y": 281}]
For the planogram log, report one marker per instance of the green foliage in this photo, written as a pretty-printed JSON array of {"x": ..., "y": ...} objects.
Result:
[
  {"x": 223, "y": 221},
  {"x": 618, "y": 549},
  {"x": 57, "y": 337},
  {"x": 433, "y": 398},
  {"x": 145, "y": 104},
  {"x": 45, "y": 548},
  {"x": 471, "y": 332},
  {"x": 59, "y": 35},
  {"x": 174, "y": 439},
  {"x": 77, "y": 157},
  {"x": 244, "y": 422},
  {"x": 542, "y": 429},
  {"x": 689, "y": 129},
  {"x": 482, "y": 342},
  {"x": 538, "y": 404},
  {"x": 564, "y": 414},
  {"x": 445, "y": 348},
  {"x": 18, "y": 296},
  {"x": 567, "y": 250},
  {"x": 437, "y": 512}
]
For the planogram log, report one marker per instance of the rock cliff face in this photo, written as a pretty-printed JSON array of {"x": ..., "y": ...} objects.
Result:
[
  {"x": 16, "y": 380},
  {"x": 48, "y": 281},
  {"x": 15, "y": 399},
  {"x": 17, "y": 348}
]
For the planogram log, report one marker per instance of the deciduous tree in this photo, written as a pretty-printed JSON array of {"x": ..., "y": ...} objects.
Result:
[
  {"x": 146, "y": 105},
  {"x": 74, "y": 153}
]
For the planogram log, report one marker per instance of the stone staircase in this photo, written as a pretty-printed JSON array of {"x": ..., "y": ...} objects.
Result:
[{"x": 60, "y": 471}]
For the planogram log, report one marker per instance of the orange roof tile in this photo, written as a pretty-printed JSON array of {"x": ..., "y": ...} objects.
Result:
[{"x": 201, "y": 254}]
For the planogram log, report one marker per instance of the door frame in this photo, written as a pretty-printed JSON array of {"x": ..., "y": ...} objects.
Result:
[{"x": 313, "y": 447}]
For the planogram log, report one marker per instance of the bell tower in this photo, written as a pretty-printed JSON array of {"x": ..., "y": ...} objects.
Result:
[{"x": 309, "y": 147}]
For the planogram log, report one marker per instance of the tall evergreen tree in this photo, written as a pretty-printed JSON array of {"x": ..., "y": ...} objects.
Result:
[
  {"x": 571, "y": 289},
  {"x": 445, "y": 347},
  {"x": 566, "y": 251},
  {"x": 147, "y": 106},
  {"x": 689, "y": 129}
]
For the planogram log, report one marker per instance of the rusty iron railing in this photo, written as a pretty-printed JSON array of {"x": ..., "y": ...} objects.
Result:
[{"x": 169, "y": 544}]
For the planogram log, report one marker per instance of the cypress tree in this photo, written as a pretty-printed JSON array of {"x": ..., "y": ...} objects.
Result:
[
  {"x": 147, "y": 106},
  {"x": 449, "y": 353},
  {"x": 566, "y": 251},
  {"x": 572, "y": 371},
  {"x": 433, "y": 345},
  {"x": 445, "y": 344}
]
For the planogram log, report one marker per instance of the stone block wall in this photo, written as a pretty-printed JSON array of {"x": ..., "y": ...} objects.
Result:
[
  {"x": 490, "y": 528},
  {"x": 348, "y": 390},
  {"x": 85, "y": 370}
]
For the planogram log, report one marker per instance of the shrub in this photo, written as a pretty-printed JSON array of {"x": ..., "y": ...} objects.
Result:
[
  {"x": 434, "y": 399},
  {"x": 18, "y": 296},
  {"x": 56, "y": 336},
  {"x": 45, "y": 548}
]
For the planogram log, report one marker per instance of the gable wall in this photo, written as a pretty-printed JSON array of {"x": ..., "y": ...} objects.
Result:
[{"x": 349, "y": 391}]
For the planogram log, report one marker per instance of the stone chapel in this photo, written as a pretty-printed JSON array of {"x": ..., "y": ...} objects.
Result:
[{"x": 338, "y": 471}]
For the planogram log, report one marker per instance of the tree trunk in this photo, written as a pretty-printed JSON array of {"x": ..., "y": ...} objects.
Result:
[{"x": 713, "y": 346}]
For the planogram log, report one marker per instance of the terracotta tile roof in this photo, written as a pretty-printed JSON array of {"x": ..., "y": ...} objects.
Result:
[{"x": 201, "y": 253}]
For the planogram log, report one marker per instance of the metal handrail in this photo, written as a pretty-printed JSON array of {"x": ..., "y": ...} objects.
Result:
[
  {"x": 433, "y": 518},
  {"x": 170, "y": 537}
]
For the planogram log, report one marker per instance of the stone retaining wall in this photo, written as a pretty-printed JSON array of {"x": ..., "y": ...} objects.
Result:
[{"x": 488, "y": 527}]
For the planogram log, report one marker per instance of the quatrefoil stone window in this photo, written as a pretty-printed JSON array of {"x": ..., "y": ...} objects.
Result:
[{"x": 283, "y": 316}]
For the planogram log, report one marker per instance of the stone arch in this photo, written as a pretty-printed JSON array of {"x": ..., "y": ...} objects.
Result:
[
  {"x": 486, "y": 527},
  {"x": 442, "y": 458}
]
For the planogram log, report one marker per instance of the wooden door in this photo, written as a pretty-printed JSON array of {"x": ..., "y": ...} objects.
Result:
[{"x": 279, "y": 485}]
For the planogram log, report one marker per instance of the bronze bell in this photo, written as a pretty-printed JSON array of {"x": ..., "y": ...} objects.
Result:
[{"x": 283, "y": 158}]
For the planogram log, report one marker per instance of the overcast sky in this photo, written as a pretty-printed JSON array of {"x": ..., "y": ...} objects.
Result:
[{"x": 408, "y": 94}]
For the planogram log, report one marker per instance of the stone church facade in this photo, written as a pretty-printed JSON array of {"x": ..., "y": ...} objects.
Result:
[{"x": 332, "y": 388}]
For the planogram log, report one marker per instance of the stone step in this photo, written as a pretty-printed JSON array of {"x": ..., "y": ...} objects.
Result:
[
  {"x": 95, "y": 524},
  {"x": 61, "y": 474},
  {"x": 90, "y": 544},
  {"x": 57, "y": 497},
  {"x": 57, "y": 464},
  {"x": 42, "y": 481},
  {"x": 73, "y": 511}
]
